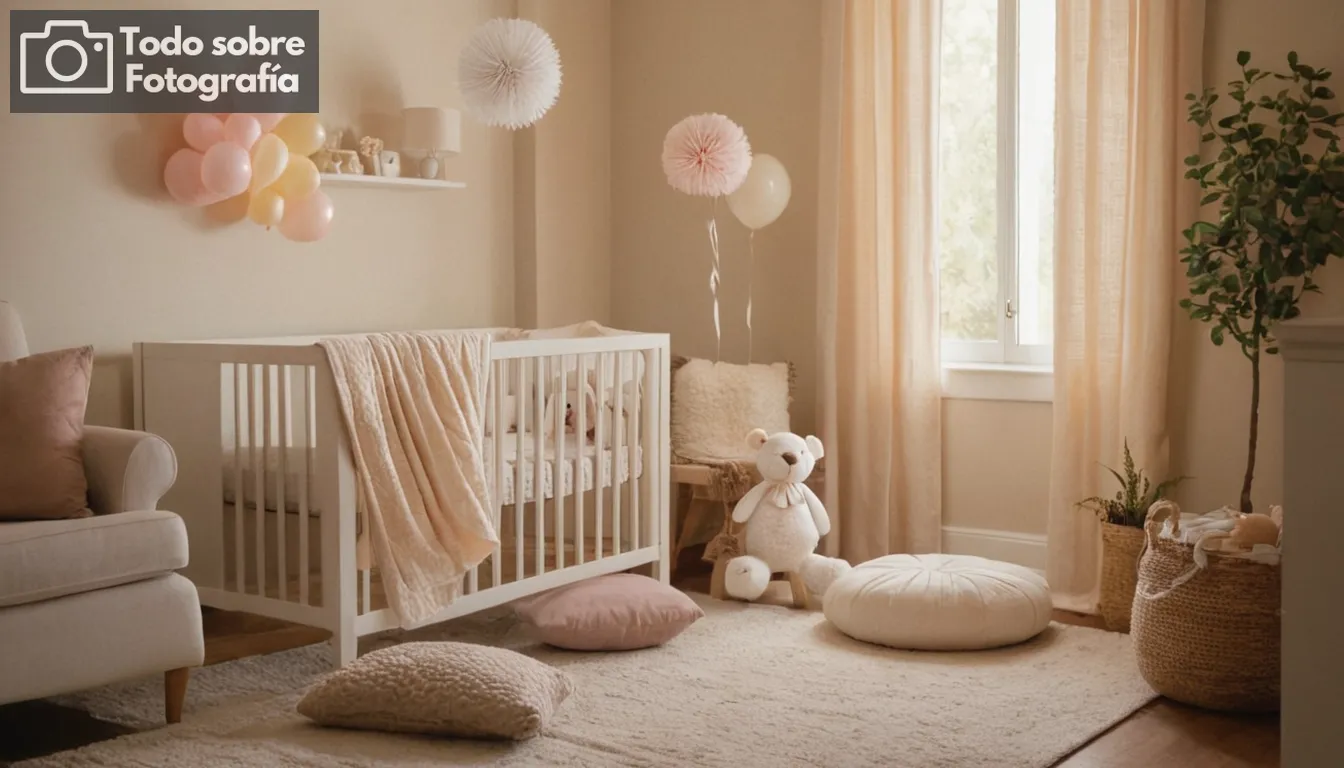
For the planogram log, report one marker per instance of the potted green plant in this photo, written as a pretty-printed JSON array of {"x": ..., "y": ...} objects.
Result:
[
  {"x": 1122, "y": 518},
  {"x": 1278, "y": 177}
]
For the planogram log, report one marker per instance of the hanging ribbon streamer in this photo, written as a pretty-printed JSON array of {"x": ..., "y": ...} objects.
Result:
[
  {"x": 751, "y": 269},
  {"x": 714, "y": 279}
]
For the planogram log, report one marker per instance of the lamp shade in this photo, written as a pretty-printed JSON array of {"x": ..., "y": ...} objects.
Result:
[{"x": 432, "y": 129}]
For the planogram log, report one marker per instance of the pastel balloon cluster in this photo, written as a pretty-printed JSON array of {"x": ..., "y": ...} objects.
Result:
[{"x": 263, "y": 156}]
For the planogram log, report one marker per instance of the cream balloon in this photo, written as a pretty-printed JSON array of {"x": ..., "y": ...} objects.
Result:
[
  {"x": 266, "y": 208},
  {"x": 764, "y": 195},
  {"x": 270, "y": 156},
  {"x": 302, "y": 133},
  {"x": 299, "y": 180}
]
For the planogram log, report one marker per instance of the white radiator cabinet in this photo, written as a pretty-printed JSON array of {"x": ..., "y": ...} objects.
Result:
[{"x": 1313, "y": 543}]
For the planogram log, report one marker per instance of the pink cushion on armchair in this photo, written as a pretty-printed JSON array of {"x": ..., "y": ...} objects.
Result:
[
  {"x": 619, "y": 612},
  {"x": 42, "y": 403}
]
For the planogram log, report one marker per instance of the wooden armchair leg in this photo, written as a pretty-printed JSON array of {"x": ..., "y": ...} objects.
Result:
[{"x": 175, "y": 693}]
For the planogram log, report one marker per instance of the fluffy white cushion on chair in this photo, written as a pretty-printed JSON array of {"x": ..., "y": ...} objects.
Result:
[
  {"x": 717, "y": 404},
  {"x": 939, "y": 602}
]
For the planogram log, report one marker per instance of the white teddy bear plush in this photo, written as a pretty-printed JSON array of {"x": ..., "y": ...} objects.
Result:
[{"x": 784, "y": 520}]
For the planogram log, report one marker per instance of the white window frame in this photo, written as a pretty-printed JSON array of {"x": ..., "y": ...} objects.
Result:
[{"x": 1007, "y": 351}]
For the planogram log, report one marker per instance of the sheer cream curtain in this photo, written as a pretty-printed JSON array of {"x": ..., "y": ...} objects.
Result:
[
  {"x": 877, "y": 275},
  {"x": 1123, "y": 69}
]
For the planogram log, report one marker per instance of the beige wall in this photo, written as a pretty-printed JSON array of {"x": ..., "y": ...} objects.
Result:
[
  {"x": 94, "y": 251},
  {"x": 996, "y": 465},
  {"x": 563, "y": 172},
  {"x": 756, "y": 61}
]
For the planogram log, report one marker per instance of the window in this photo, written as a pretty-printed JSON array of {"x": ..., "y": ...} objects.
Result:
[{"x": 996, "y": 183}]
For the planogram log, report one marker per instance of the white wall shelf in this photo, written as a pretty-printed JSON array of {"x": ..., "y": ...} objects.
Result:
[{"x": 398, "y": 182}]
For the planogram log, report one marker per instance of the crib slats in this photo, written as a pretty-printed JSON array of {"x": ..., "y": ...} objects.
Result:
[
  {"x": 281, "y": 504},
  {"x": 633, "y": 446},
  {"x": 558, "y": 365},
  {"x": 240, "y": 376},
  {"x": 366, "y": 580},
  {"x": 305, "y": 472},
  {"x": 520, "y": 401},
  {"x": 617, "y": 432},
  {"x": 581, "y": 432},
  {"x": 261, "y": 437},
  {"x": 497, "y": 504},
  {"x": 539, "y": 465},
  {"x": 599, "y": 460},
  {"x": 652, "y": 435}
]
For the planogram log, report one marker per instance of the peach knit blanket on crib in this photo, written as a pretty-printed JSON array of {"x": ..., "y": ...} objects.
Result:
[{"x": 412, "y": 405}]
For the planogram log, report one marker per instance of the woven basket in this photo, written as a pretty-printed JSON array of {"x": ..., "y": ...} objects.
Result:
[
  {"x": 1120, "y": 548},
  {"x": 1206, "y": 636}
]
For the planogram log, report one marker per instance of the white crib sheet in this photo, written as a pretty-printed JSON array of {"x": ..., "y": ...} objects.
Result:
[
  {"x": 295, "y": 459},
  {"x": 590, "y": 458}
]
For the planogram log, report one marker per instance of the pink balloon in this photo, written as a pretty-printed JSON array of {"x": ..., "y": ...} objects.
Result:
[
  {"x": 268, "y": 120},
  {"x": 202, "y": 131},
  {"x": 308, "y": 219},
  {"x": 243, "y": 130},
  {"x": 226, "y": 169},
  {"x": 182, "y": 176}
]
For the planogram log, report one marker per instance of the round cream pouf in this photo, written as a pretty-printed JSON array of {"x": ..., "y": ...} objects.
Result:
[{"x": 939, "y": 602}]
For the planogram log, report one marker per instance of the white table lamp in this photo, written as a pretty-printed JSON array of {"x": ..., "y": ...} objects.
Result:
[{"x": 431, "y": 130}]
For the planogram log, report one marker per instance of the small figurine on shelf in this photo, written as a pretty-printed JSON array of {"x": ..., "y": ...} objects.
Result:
[
  {"x": 371, "y": 149},
  {"x": 332, "y": 159},
  {"x": 325, "y": 158}
]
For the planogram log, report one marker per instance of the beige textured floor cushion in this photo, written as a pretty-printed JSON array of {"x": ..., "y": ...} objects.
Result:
[
  {"x": 939, "y": 602},
  {"x": 448, "y": 689}
]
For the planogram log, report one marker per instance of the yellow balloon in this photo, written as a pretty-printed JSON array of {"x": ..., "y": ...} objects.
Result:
[
  {"x": 270, "y": 156},
  {"x": 266, "y": 208},
  {"x": 299, "y": 180},
  {"x": 302, "y": 133}
]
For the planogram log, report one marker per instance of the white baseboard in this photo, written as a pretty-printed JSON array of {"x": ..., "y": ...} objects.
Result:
[{"x": 1025, "y": 549}]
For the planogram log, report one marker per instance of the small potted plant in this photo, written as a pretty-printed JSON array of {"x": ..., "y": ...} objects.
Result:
[{"x": 1122, "y": 519}]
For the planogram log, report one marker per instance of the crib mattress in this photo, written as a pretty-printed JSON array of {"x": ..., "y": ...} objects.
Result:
[{"x": 593, "y": 470}]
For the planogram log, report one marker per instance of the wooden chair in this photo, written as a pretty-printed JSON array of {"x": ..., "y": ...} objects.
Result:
[{"x": 707, "y": 491}]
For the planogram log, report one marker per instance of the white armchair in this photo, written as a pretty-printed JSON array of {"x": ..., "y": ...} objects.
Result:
[{"x": 90, "y": 601}]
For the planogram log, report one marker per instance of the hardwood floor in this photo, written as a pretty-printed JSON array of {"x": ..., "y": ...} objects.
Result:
[
  {"x": 1161, "y": 735},
  {"x": 230, "y": 635}
]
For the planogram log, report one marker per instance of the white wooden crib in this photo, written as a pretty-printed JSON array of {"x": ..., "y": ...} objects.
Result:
[{"x": 228, "y": 407}]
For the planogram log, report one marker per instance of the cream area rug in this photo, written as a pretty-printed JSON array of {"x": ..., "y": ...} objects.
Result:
[{"x": 748, "y": 685}]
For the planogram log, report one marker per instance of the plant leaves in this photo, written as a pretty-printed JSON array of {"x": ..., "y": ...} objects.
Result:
[{"x": 1243, "y": 58}]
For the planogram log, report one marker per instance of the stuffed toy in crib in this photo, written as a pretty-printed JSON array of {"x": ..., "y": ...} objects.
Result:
[
  {"x": 783, "y": 520},
  {"x": 573, "y": 397},
  {"x": 588, "y": 397}
]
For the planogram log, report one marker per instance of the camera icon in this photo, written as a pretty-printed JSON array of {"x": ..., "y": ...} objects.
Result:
[{"x": 38, "y": 50}]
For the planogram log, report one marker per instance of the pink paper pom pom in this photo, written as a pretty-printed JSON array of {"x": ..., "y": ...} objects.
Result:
[{"x": 706, "y": 155}]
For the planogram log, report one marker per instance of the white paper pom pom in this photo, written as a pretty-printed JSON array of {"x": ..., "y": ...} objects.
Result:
[{"x": 509, "y": 73}]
